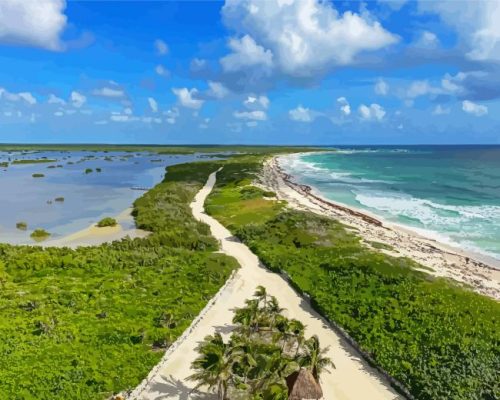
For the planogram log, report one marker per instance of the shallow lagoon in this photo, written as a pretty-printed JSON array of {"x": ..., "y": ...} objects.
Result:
[{"x": 88, "y": 197}]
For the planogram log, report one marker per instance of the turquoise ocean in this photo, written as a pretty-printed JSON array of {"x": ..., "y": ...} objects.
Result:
[{"x": 447, "y": 193}]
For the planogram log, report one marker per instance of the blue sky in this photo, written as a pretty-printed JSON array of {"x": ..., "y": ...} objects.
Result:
[{"x": 273, "y": 71}]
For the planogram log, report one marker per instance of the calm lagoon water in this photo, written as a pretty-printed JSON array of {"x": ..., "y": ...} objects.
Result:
[
  {"x": 449, "y": 193},
  {"x": 88, "y": 197}
]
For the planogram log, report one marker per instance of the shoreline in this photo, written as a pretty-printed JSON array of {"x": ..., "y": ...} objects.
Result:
[
  {"x": 94, "y": 236},
  {"x": 477, "y": 271}
]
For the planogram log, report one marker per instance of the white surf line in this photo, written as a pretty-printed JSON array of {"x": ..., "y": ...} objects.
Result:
[{"x": 353, "y": 379}]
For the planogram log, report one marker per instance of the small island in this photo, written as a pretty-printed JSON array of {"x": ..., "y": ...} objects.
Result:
[
  {"x": 39, "y": 234},
  {"x": 107, "y": 222},
  {"x": 34, "y": 161},
  {"x": 22, "y": 226},
  {"x": 38, "y": 175}
]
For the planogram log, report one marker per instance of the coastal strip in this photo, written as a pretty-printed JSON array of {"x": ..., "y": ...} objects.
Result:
[
  {"x": 440, "y": 259},
  {"x": 352, "y": 379}
]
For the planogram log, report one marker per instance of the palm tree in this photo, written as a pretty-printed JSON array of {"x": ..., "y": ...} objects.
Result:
[
  {"x": 213, "y": 366},
  {"x": 261, "y": 295},
  {"x": 248, "y": 316},
  {"x": 297, "y": 328},
  {"x": 283, "y": 334},
  {"x": 273, "y": 310},
  {"x": 313, "y": 357},
  {"x": 260, "y": 363}
]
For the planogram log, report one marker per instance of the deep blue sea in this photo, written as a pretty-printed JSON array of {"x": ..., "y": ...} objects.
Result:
[
  {"x": 88, "y": 197},
  {"x": 448, "y": 193}
]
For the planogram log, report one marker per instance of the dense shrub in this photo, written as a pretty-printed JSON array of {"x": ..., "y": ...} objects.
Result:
[
  {"x": 107, "y": 221},
  {"x": 84, "y": 323}
]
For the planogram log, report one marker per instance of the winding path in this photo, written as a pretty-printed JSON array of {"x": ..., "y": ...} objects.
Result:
[{"x": 352, "y": 380}]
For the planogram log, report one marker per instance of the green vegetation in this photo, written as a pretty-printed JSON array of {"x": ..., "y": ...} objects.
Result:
[
  {"x": 98, "y": 170},
  {"x": 59, "y": 199},
  {"x": 107, "y": 221},
  {"x": 39, "y": 235},
  {"x": 90, "y": 322},
  {"x": 88, "y": 170},
  {"x": 158, "y": 149},
  {"x": 22, "y": 226},
  {"x": 33, "y": 161},
  {"x": 439, "y": 339},
  {"x": 38, "y": 175},
  {"x": 4, "y": 164},
  {"x": 264, "y": 353}
]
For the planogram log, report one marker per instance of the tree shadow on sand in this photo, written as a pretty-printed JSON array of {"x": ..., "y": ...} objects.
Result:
[{"x": 172, "y": 388}]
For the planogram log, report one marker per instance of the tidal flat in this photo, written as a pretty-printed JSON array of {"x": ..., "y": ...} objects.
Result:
[{"x": 94, "y": 185}]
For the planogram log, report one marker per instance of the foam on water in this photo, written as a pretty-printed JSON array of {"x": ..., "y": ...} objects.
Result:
[{"x": 453, "y": 205}]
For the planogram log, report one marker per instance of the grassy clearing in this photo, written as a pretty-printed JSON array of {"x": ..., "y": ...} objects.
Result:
[
  {"x": 439, "y": 339},
  {"x": 87, "y": 323}
]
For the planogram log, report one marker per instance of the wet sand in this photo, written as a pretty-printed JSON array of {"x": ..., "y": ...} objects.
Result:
[{"x": 93, "y": 235}]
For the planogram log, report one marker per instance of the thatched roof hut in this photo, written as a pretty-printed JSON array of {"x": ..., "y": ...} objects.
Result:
[{"x": 302, "y": 386}]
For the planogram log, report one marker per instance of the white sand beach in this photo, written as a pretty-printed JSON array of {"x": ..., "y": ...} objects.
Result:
[
  {"x": 93, "y": 235},
  {"x": 480, "y": 273},
  {"x": 353, "y": 379}
]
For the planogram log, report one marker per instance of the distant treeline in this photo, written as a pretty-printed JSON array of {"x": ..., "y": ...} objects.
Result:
[{"x": 160, "y": 149}]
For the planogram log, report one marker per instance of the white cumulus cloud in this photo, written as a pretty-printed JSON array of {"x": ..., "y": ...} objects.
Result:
[
  {"x": 300, "y": 114},
  {"x": 374, "y": 112},
  {"x": 217, "y": 90},
  {"x": 476, "y": 23},
  {"x": 381, "y": 87},
  {"x": 37, "y": 23},
  {"x": 253, "y": 102},
  {"x": 246, "y": 53},
  {"x": 256, "y": 115},
  {"x": 14, "y": 97},
  {"x": 187, "y": 97},
  {"x": 77, "y": 99},
  {"x": 427, "y": 40},
  {"x": 27, "y": 97},
  {"x": 300, "y": 37},
  {"x": 53, "y": 99},
  {"x": 344, "y": 105},
  {"x": 473, "y": 108}
]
